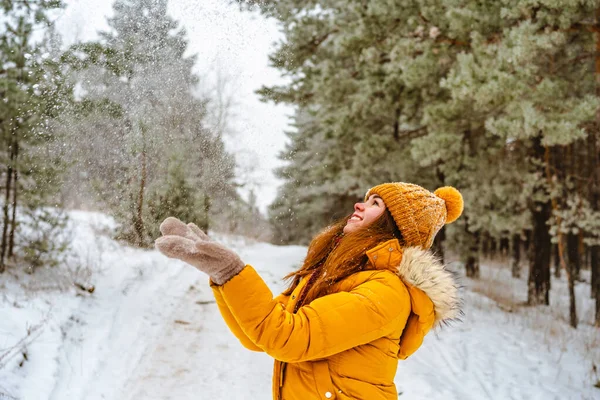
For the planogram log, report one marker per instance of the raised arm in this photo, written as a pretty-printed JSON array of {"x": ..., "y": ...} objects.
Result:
[{"x": 326, "y": 326}]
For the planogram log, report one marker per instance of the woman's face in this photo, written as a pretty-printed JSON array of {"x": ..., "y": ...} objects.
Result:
[{"x": 365, "y": 213}]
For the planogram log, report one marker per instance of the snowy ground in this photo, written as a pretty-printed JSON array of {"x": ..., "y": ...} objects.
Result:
[{"x": 151, "y": 331}]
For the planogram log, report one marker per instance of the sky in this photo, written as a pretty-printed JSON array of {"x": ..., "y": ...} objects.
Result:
[{"x": 228, "y": 43}]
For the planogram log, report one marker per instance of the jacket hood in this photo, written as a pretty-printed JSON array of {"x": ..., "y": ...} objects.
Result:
[
  {"x": 434, "y": 291},
  {"x": 422, "y": 270}
]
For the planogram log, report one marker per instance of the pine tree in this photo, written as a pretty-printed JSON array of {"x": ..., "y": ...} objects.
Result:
[
  {"x": 174, "y": 197},
  {"x": 479, "y": 93},
  {"x": 142, "y": 113},
  {"x": 309, "y": 199},
  {"x": 35, "y": 92}
]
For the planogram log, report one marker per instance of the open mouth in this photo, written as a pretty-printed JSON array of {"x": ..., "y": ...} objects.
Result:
[{"x": 355, "y": 217}]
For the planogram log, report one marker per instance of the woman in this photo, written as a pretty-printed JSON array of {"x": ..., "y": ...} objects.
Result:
[{"x": 368, "y": 292}]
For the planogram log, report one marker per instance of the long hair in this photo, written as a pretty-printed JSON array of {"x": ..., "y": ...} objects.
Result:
[{"x": 333, "y": 255}]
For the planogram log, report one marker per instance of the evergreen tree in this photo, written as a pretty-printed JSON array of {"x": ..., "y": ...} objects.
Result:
[
  {"x": 532, "y": 86},
  {"x": 35, "y": 93},
  {"x": 304, "y": 203},
  {"x": 174, "y": 197},
  {"x": 143, "y": 116},
  {"x": 479, "y": 93}
]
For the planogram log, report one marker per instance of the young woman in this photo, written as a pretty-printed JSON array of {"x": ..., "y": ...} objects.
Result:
[{"x": 368, "y": 292}]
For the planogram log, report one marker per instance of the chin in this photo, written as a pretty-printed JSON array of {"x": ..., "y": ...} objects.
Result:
[{"x": 349, "y": 228}]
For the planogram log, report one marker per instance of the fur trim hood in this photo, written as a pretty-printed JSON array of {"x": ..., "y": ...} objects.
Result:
[
  {"x": 430, "y": 285},
  {"x": 421, "y": 269},
  {"x": 433, "y": 290}
]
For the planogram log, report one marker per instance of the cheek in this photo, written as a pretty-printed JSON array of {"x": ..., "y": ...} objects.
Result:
[{"x": 373, "y": 214}]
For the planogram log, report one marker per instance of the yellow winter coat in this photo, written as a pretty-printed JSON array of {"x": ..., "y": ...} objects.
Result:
[{"x": 345, "y": 345}]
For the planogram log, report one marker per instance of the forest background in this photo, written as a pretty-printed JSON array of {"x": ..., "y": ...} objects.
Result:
[{"x": 500, "y": 99}]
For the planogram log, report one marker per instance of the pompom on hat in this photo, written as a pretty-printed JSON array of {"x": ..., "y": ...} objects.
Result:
[{"x": 418, "y": 213}]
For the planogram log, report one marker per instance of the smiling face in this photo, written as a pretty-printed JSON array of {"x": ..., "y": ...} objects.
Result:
[{"x": 365, "y": 213}]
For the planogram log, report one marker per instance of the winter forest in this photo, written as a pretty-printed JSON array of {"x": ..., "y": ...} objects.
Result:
[{"x": 108, "y": 128}]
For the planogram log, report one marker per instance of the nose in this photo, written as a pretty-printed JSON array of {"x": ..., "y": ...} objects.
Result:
[{"x": 359, "y": 207}]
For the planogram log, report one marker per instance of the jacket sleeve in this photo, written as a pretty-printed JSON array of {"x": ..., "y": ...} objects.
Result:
[
  {"x": 234, "y": 327},
  {"x": 326, "y": 326}
]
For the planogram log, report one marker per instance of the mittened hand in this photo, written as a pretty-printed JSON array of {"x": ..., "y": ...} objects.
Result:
[
  {"x": 190, "y": 244},
  {"x": 173, "y": 226}
]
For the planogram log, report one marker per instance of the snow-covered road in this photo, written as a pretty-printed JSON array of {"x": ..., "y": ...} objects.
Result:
[{"x": 196, "y": 357}]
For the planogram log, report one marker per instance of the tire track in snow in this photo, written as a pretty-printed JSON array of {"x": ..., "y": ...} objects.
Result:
[
  {"x": 198, "y": 358},
  {"x": 201, "y": 359},
  {"x": 121, "y": 331}
]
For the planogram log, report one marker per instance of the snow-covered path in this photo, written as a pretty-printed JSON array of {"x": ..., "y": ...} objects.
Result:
[{"x": 196, "y": 357}]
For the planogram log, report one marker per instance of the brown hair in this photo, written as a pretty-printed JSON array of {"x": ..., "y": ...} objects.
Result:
[{"x": 334, "y": 255}]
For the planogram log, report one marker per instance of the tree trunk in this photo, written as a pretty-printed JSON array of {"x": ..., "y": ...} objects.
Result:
[
  {"x": 526, "y": 239},
  {"x": 139, "y": 223},
  {"x": 595, "y": 265},
  {"x": 583, "y": 252},
  {"x": 573, "y": 255},
  {"x": 9, "y": 178},
  {"x": 572, "y": 301},
  {"x": 472, "y": 262},
  {"x": 484, "y": 240},
  {"x": 556, "y": 259},
  {"x": 139, "y": 219},
  {"x": 595, "y": 174},
  {"x": 13, "y": 222},
  {"x": 539, "y": 258},
  {"x": 504, "y": 246},
  {"x": 493, "y": 247},
  {"x": 555, "y": 157},
  {"x": 573, "y": 266},
  {"x": 538, "y": 281},
  {"x": 595, "y": 271},
  {"x": 515, "y": 259},
  {"x": 572, "y": 245}
]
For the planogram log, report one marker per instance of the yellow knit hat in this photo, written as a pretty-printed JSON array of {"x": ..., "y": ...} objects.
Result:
[{"x": 419, "y": 214}]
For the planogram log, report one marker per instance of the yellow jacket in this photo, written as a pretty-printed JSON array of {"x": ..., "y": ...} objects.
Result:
[{"x": 345, "y": 345}]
